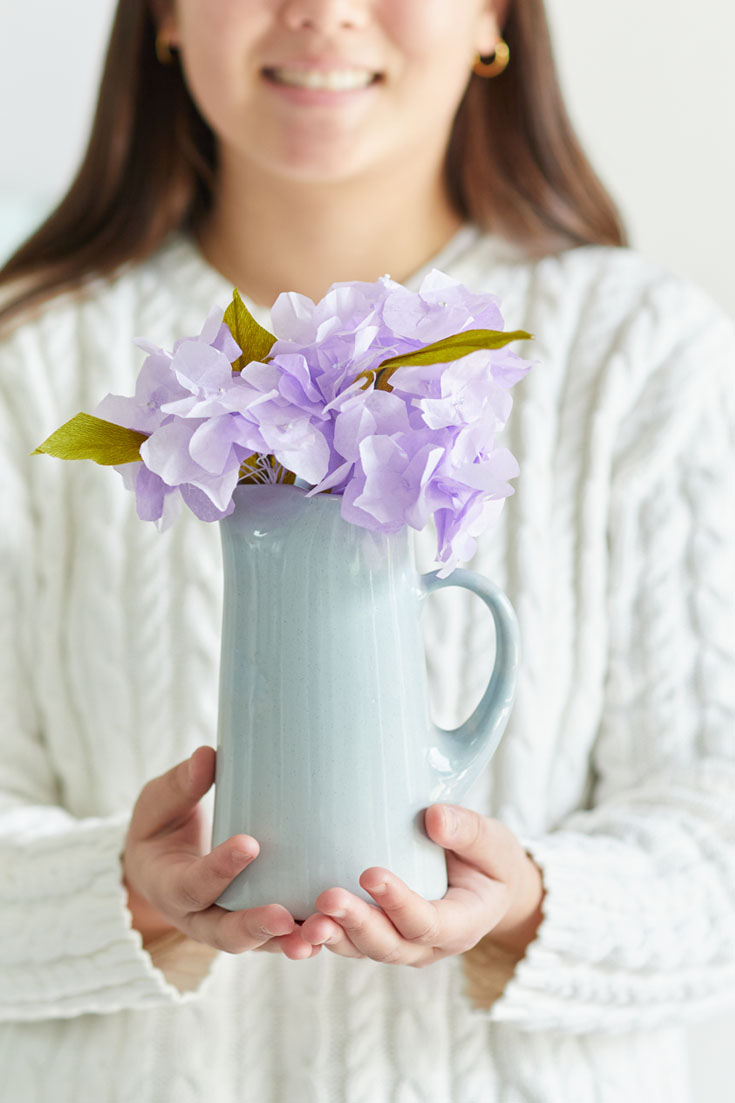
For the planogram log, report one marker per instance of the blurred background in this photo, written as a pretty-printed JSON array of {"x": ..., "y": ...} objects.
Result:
[{"x": 650, "y": 86}]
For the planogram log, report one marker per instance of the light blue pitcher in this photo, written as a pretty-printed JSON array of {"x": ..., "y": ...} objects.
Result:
[{"x": 326, "y": 752}]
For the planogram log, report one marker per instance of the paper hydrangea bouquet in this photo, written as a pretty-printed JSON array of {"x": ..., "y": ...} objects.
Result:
[{"x": 390, "y": 398}]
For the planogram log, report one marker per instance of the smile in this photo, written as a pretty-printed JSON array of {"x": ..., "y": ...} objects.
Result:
[{"x": 332, "y": 80}]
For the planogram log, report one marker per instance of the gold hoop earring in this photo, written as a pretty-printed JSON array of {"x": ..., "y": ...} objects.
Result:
[
  {"x": 496, "y": 64},
  {"x": 163, "y": 49}
]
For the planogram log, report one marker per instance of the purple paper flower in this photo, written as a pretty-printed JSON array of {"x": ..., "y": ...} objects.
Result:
[
  {"x": 425, "y": 447},
  {"x": 197, "y": 440}
]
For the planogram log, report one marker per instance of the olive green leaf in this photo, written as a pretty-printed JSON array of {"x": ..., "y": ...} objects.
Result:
[
  {"x": 254, "y": 341},
  {"x": 440, "y": 352},
  {"x": 86, "y": 437}
]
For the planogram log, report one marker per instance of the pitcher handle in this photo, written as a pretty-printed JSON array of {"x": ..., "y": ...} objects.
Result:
[{"x": 461, "y": 753}]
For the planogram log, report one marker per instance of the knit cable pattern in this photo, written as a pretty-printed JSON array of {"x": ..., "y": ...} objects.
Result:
[{"x": 616, "y": 770}]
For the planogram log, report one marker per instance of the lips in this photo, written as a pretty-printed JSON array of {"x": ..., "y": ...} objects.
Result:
[{"x": 320, "y": 78}]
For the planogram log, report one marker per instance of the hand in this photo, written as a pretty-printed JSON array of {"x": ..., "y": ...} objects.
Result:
[
  {"x": 494, "y": 889},
  {"x": 173, "y": 882}
]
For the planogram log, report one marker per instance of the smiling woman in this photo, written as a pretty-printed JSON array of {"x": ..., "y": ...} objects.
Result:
[
  {"x": 153, "y": 162},
  {"x": 382, "y": 82},
  {"x": 284, "y": 145}
]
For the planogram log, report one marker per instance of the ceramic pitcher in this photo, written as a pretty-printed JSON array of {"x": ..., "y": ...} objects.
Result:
[{"x": 326, "y": 751}]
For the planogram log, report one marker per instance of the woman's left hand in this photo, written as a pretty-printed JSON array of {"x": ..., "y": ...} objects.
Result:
[{"x": 494, "y": 886}]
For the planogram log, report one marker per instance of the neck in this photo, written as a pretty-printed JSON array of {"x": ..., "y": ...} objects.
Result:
[{"x": 267, "y": 236}]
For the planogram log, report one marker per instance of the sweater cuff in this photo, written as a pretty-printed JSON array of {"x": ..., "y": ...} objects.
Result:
[
  {"x": 565, "y": 980},
  {"x": 539, "y": 980},
  {"x": 73, "y": 950},
  {"x": 527, "y": 990}
]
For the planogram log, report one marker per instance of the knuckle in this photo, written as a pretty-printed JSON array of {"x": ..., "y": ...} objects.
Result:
[
  {"x": 389, "y": 956},
  {"x": 428, "y": 934},
  {"x": 255, "y": 929},
  {"x": 428, "y": 958},
  {"x": 399, "y": 908},
  {"x": 221, "y": 865},
  {"x": 190, "y": 899},
  {"x": 227, "y": 942}
]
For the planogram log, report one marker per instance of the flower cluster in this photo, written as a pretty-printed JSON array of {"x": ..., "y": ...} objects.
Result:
[
  {"x": 195, "y": 442},
  {"x": 390, "y": 398}
]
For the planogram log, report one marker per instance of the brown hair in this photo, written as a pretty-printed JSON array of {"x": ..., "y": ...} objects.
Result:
[{"x": 514, "y": 164}]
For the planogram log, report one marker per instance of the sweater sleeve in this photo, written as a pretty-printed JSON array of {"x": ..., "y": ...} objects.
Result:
[
  {"x": 639, "y": 911},
  {"x": 66, "y": 943}
]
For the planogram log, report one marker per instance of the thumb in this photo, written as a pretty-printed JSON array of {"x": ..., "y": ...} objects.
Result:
[
  {"x": 170, "y": 799},
  {"x": 484, "y": 843}
]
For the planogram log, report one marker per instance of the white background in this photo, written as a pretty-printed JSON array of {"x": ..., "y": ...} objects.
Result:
[{"x": 650, "y": 86}]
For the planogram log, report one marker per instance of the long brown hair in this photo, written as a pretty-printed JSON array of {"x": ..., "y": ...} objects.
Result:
[{"x": 514, "y": 164}]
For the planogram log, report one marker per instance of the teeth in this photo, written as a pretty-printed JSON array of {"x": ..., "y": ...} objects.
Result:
[{"x": 335, "y": 80}]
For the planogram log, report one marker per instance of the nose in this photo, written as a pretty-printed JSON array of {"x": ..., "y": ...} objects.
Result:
[{"x": 324, "y": 16}]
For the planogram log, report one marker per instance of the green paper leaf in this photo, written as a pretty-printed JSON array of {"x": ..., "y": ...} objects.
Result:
[
  {"x": 440, "y": 352},
  {"x": 254, "y": 341},
  {"x": 86, "y": 437}
]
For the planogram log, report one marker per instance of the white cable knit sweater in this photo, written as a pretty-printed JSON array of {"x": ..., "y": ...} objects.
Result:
[{"x": 617, "y": 770}]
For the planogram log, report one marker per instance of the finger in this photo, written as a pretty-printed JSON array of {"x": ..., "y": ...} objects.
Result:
[
  {"x": 450, "y": 925},
  {"x": 367, "y": 928},
  {"x": 339, "y": 943},
  {"x": 318, "y": 928},
  {"x": 484, "y": 843},
  {"x": 415, "y": 919},
  {"x": 295, "y": 947},
  {"x": 167, "y": 801},
  {"x": 235, "y": 932},
  {"x": 196, "y": 884},
  {"x": 275, "y": 946},
  {"x": 321, "y": 930}
]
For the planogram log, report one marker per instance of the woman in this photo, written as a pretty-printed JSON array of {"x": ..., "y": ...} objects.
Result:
[{"x": 284, "y": 146}]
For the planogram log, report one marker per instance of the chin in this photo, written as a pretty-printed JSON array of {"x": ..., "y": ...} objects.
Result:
[
  {"x": 321, "y": 170},
  {"x": 321, "y": 175},
  {"x": 319, "y": 154}
]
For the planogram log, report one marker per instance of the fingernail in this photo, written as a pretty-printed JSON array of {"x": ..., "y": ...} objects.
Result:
[
  {"x": 336, "y": 913},
  {"x": 379, "y": 889},
  {"x": 451, "y": 821}
]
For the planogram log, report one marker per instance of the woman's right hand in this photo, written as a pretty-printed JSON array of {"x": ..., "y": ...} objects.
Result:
[{"x": 172, "y": 881}]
